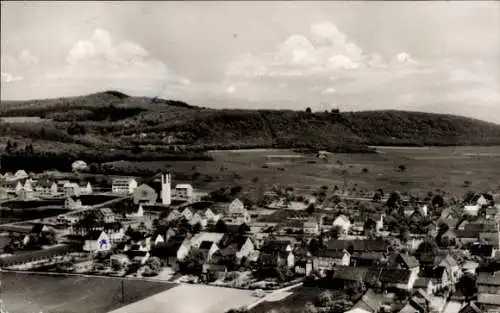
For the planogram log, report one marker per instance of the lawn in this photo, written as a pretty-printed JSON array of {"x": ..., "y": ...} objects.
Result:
[
  {"x": 25, "y": 293},
  {"x": 426, "y": 169},
  {"x": 192, "y": 299}
]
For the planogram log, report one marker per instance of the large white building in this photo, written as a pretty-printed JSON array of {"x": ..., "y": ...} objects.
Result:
[
  {"x": 122, "y": 185},
  {"x": 166, "y": 192},
  {"x": 183, "y": 192}
]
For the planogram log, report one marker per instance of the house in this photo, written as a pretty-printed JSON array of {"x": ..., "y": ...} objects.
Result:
[
  {"x": 115, "y": 232},
  {"x": 107, "y": 215},
  {"x": 174, "y": 215},
  {"x": 368, "y": 258},
  {"x": 208, "y": 248},
  {"x": 122, "y": 185},
  {"x": 311, "y": 227},
  {"x": 358, "y": 246},
  {"x": 488, "y": 289},
  {"x": 480, "y": 200},
  {"x": 370, "y": 302},
  {"x": 172, "y": 251},
  {"x": 144, "y": 194},
  {"x": 276, "y": 253},
  {"x": 71, "y": 189},
  {"x": 407, "y": 262},
  {"x": 327, "y": 259},
  {"x": 303, "y": 267},
  {"x": 470, "y": 308},
  {"x": 45, "y": 188},
  {"x": 21, "y": 174},
  {"x": 452, "y": 267},
  {"x": 96, "y": 241},
  {"x": 425, "y": 284},
  {"x": 198, "y": 218},
  {"x": 210, "y": 215},
  {"x": 397, "y": 278},
  {"x": 244, "y": 247},
  {"x": 343, "y": 223},
  {"x": 438, "y": 276},
  {"x": 85, "y": 188},
  {"x": 159, "y": 239},
  {"x": 73, "y": 203},
  {"x": 183, "y": 192},
  {"x": 343, "y": 276},
  {"x": 236, "y": 213},
  {"x": 450, "y": 213},
  {"x": 187, "y": 213}
]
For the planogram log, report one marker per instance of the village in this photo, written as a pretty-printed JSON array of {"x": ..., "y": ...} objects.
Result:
[{"x": 385, "y": 252}]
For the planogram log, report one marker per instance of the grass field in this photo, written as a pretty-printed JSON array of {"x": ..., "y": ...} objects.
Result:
[
  {"x": 192, "y": 299},
  {"x": 26, "y": 293},
  {"x": 427, "y": 169}
]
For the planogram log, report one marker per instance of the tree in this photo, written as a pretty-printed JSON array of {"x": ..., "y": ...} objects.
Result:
[
  {"x": 404, "y": 234},
  {"x": 335, "y": 232},
  {"x": 193, "y": 263},
  {"x": 196, "y": 228},
  {"x": 370, "y": 227},
  {"x": 244, "y": 229},
  {"x": 220, "y": 226},
  {"x": 154, "y": 264},
  {"x": 310, "y": 308},
  {"x": 310, "y": 208},
  {"x": 394, "y": 200},
  {"x": 437, "y": 201},
  {"x": 402, "y": 168},
  {"x": 308, "y": 110},
  {"x": 426, "y": 248},
  {"x": 467, "y": 284}
]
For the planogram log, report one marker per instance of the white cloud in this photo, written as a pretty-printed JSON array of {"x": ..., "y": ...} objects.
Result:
[
  {"x": 9, "y": 78},
  {"x": 231, "y": 89},
  {"x": 99, "y": 62},
  {"x": 326, "y": 50},
  {"x": 462, "y": 76}
]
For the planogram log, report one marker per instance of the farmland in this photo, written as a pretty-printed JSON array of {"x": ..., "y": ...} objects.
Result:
[
  {"x": 452, "y": 169},
  {"x": 24, "y": 293}
]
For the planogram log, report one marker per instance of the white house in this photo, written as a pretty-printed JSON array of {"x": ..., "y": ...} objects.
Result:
[
  {"x": 174, "y": 215},
  {"x": 159, "y": 239},
  {"x": 97, "y": 241},
  {"x": 211, "y": 216},
  {"x": 122, "y": 185},
  {"x": 183, "y": 192},
  {"x": 45, "y": 188},
  {"x": 198, "y": 218},
  {"x": 71, "y": 189},
  {"x": 21, "y": 174},
  {"x": 343, "y": 222},
  {"x": 237, "y": 214}
]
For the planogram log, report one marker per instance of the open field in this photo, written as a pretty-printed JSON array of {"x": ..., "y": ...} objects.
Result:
[
  {"x": 191, "y": 299},
  {"x": 25, "y": 293},
  {"x": 426, "y": 169},
  {"x": 294, "y": 303}
]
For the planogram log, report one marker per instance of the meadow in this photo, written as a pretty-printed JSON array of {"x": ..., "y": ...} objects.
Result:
[
  {"x": 455, "y": 170},
  {"x": 26, "y": 293}
]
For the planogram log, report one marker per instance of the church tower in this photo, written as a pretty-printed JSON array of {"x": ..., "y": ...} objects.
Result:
[{"x": 166, "y": 197}]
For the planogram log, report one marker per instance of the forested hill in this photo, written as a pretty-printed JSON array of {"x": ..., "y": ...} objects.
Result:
[{"x": 113, "y": 121}]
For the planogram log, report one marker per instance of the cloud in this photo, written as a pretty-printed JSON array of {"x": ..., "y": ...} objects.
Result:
[
  {"x": 21, "y": 64},
  {"x": 231, "y": 89},
  {"x": 99, "y": 62},
  {"x": 9, "y": 78},
  {"x": 462, "y": 76},
  {"x": 329, "y": 90},
  {"x": 326, "y": 50}
]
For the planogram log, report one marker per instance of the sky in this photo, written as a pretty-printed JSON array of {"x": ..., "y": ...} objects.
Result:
[{"x": 433, "y": 56}]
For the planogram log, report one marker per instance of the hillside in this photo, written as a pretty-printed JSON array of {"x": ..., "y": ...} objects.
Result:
[{"x": 112, "y": 125}]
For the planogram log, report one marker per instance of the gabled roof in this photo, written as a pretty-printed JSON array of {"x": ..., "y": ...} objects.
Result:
[
  {"x": 350, "y": 273},
  {"x": 482, "y": 250},
  {"x": 342, "y": 218},
  {"x": 37, "y": 228},
  {"x": 370, "y": 301},
  {"x": 422, "y": 282},
  {"x": 358, "y": 245},
  {"x": 488, "y": 299},
  {"x": 335, "y": 254},
  {"x": 395, "y": 276},
  {"x": 470, "y": 308},
  {"x": 408, "y": 260}
]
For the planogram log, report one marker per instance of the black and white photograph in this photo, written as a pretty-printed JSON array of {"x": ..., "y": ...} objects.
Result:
[{"x": 250, "y": 157}]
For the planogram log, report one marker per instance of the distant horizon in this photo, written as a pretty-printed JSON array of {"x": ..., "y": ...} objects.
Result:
[
  {"x": 356, "y": 56},
  {"x": 249, "y": 109}
]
